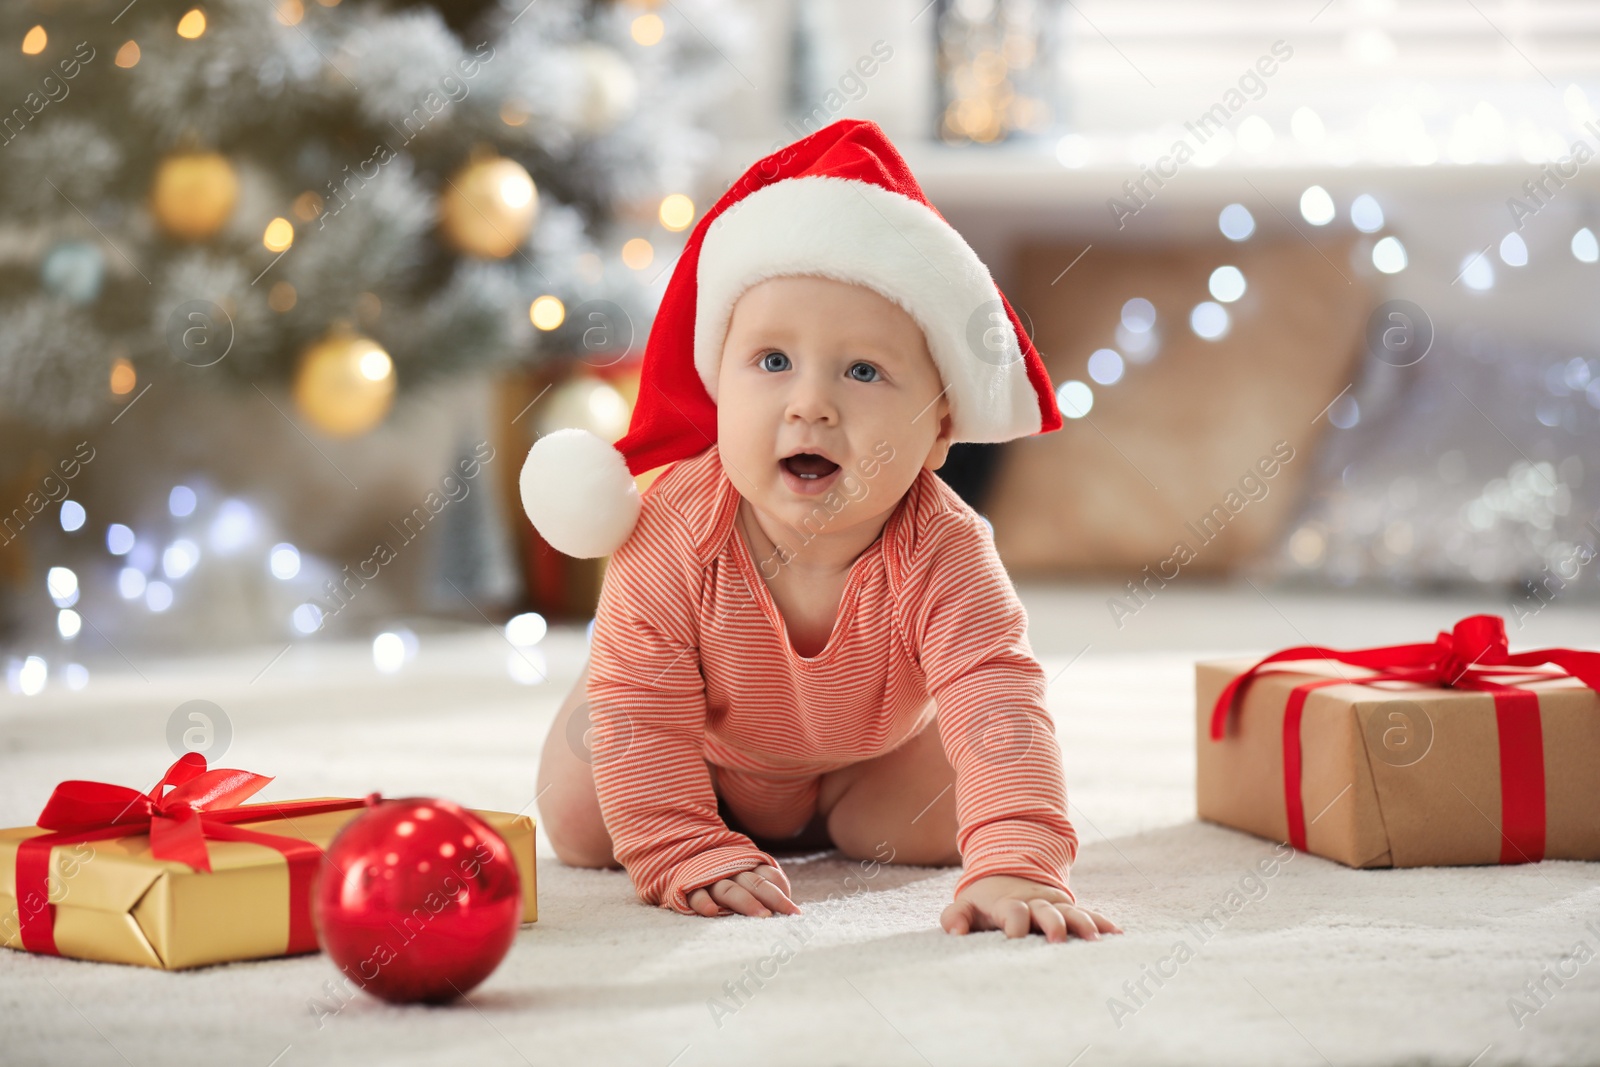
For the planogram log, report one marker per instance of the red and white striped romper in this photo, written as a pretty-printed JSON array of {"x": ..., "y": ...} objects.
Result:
[{"x": 690, "y": 665}]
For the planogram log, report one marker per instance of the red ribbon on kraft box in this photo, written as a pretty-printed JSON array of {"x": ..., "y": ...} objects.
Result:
[
  {"x": 1474, "y": 655},
  {"x": 203, "y": 804}
]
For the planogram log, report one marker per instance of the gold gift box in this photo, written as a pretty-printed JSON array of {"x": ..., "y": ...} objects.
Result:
[
  {"x": 116, "y": 903},
  {"x": 1391, "y": 777}
]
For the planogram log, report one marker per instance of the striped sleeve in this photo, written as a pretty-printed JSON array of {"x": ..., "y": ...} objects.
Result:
[
  {"x": 648, "y": 710},
  {"x": 970, "y": 632}
]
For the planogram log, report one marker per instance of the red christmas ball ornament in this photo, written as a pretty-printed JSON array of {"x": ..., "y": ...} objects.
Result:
[{"x": 418, "y": 899}]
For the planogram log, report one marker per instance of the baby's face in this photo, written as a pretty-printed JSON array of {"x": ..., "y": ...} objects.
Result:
[{"x": 814, "y": 365}]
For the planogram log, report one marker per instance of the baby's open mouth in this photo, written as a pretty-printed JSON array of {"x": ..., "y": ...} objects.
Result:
[{"x": 809, "y": 465}]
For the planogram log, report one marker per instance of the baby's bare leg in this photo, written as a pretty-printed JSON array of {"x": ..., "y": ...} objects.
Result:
[
  {"x": 897, "y": 808},
  {"x": 568, "y": 810}
]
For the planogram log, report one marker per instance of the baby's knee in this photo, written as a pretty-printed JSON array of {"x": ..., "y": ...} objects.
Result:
[
  {"x": 577, "y": 834},
  {"x": 593, "y": 855},
  {"x": 580, "y": 849},
  {"x": 917, "y": 846}
]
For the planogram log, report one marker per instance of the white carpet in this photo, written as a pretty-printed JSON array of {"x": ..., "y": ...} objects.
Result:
[{"x": 1316, "y": 965}]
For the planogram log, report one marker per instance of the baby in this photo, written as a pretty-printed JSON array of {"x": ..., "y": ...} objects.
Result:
[{"x": 805, "y": 639}]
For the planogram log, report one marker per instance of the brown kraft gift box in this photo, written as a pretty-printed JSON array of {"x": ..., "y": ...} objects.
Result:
[{"x": 1394, "y": 774}]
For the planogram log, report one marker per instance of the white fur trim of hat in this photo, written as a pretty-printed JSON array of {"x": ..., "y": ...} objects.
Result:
[{"x": 861, "y": 233}]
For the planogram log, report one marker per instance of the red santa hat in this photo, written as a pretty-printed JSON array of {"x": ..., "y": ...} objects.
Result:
[{"x": 840, "y": 203}]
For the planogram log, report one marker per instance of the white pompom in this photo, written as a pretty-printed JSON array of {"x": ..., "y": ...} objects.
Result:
[{"x": 579, "y": 493}]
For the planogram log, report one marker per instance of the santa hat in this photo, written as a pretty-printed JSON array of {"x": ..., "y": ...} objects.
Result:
[{"x": 840, "y": 203}]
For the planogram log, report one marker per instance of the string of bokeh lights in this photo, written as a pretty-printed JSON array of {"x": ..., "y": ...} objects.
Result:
[{"x": 149, "y": 570}]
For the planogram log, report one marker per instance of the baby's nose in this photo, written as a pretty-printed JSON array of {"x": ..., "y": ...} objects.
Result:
[{"x": 813, "y": 403}]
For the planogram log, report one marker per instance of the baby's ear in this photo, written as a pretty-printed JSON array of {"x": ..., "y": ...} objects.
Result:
[{"x": 941, "y": 444}]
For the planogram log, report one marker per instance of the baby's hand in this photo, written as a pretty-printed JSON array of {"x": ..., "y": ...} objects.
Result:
[
  {"x": 1017, "y": 905},
  {"x": 759, "y": 892}
]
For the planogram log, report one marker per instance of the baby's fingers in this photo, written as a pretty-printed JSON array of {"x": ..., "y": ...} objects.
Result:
[
  {"x": 959, "y": 918},
  {"x": 700, "y": 900},
  {"x": 730, "y": 894},
  {"x": 767, "y": 883},
  {"x": 965, "y": 916},
  {"x": 1105, "y": 925},
  {"x": 1013, "y": 916},
  {"x": 711, "y": 900},
  {"x": 1051, "y": 922},
  {"x": 1079, "y": 922}
]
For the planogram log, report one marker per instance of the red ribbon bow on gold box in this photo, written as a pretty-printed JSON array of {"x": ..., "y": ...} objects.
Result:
[{"x": 203, "y": 804}]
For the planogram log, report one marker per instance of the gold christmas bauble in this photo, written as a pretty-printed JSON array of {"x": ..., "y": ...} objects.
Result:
[
  {"x": 610, "y": 88},
  {"x": 193, "y": 194},
  {"x": 587, "y": 403},
  {"x": 488, "y": 207},
  {"x": 344, "y": 384}
]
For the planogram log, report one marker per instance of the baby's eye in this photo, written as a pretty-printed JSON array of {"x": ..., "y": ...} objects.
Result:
[
  {"x": 872, "y": 372},
  {"x": 767, "y": 365}
]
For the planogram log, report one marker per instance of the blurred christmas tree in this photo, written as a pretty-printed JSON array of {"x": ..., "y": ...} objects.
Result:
[
  {"x": 344, "y": 200},
  {"x": 326, "y": 207}
]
